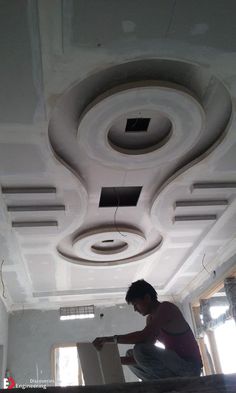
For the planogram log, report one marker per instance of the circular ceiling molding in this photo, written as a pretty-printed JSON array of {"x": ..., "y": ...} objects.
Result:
[
  {"x": 188, "y": 83},
  {"x": 98, "y": 117},
  {"x": 109, "y": 244},
  {"x": 166, "y": 120},
  {"x": 108, "y": 247}
]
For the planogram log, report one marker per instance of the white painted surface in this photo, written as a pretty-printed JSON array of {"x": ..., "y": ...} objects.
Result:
[
  {"x": 89, "y": 362},
  {"x": 100, "y": 367}
]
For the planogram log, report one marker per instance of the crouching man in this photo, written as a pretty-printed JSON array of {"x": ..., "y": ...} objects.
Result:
[{"x": 165, "y": 323}]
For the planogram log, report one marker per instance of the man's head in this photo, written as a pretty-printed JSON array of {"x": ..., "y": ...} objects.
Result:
[{"x": 142, "y": 296}]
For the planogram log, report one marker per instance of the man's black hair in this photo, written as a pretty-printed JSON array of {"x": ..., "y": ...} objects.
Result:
[{"x": 139, "y": 289}]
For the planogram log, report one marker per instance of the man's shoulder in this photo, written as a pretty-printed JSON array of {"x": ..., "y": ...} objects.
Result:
[
  {"x": 167, "y": 304},
  {"x": 165, "y": 312},
  {"x": 168, "y": 307}
]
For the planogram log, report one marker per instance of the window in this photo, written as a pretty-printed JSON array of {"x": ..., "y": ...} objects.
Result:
[
  {"x": 217, "y": 337},
  {"x": 225, "y": 340}
]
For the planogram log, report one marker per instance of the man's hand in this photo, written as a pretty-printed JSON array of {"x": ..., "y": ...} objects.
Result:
[{"x": 99, "y": 341}]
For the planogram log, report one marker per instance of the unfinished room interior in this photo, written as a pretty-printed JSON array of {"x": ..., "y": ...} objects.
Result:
[{"x": 117, "y": 163}]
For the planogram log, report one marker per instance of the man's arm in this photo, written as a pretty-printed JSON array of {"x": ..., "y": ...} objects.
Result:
[
  {"x": 148, "y": 334},
  {"x": 151, "y": 331}
]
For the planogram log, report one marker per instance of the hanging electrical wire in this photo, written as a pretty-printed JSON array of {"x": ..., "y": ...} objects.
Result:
[
  {"x": 3, "y": 286},
  {"x": 118, "y": 204},
  {"x": 204, "y": 267}
]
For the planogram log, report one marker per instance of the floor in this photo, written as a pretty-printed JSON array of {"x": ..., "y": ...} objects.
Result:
[{"x": 210, "y": 384}]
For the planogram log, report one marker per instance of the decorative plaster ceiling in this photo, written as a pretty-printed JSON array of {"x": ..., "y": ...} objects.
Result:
[
  {"x": 188, "y": 133},
  {"x": 145, "y": 121}
]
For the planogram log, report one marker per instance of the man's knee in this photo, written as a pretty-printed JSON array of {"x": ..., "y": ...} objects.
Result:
[
  {"x": 129, "y": 352},
  {"x": 140, "y": 350}
]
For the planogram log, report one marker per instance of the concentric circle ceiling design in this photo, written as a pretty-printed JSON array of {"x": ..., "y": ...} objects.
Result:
[
  {"x": 176, "y": 123},
  {"x": 107, "y": 247},
  {"x": 134, "y": 117}
]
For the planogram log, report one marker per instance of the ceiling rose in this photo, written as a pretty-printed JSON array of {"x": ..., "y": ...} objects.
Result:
[
  {"x": 109, "y": 244},
  {"x": 141, "y": 124}
]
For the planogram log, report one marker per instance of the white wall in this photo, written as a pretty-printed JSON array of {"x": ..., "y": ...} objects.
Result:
[
  {"x": 3, "y": 339},
  {"x": 32, "y": 334}
]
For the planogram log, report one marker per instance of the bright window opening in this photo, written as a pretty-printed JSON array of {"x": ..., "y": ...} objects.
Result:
[
  {"x": 160, "y": 345},
  {"x": 216, "y": 311},
  {"x": 225, "y": 340},
  {"x": 67, "y": 367}
]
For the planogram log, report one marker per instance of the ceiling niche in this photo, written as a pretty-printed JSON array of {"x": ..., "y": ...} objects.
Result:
[
  {"x": 139, "y": 133},
  {"x": 105, "y": 247},
  {"x": 137, "y": 124},
  {"x": 119, "y": 196}
]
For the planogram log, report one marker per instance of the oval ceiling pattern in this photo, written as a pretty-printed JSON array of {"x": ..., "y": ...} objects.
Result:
[{"x": 152, "y": 117}]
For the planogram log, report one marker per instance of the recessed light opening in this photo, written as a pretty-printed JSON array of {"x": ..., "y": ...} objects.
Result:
[
  {"x": 137, "y": 124},
  {"x": 129, "y": 134},
  {"x": 113, "y": 247},
  {"x": 119, "y": 196}
]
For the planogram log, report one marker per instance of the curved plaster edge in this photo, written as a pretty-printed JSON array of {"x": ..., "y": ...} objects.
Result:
[
  {"x": 169, "y": 99},
  {"x": 185, "y": 171},
  {"x": 135, "y": 259},
  {"x": 82, "y": 191}
]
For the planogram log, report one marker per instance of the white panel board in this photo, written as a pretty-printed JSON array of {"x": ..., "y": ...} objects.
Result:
[{"x": 100, "y": 367}]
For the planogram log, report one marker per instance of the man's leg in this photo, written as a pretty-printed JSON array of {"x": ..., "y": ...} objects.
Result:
[
  {"x": 144, "y": 368},
  {"x": 137, "y": 370},
  {"x": 153, "y": 363}
]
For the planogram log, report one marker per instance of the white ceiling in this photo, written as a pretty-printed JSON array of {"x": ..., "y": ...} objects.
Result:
[{"x": 72, "y": 73}]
